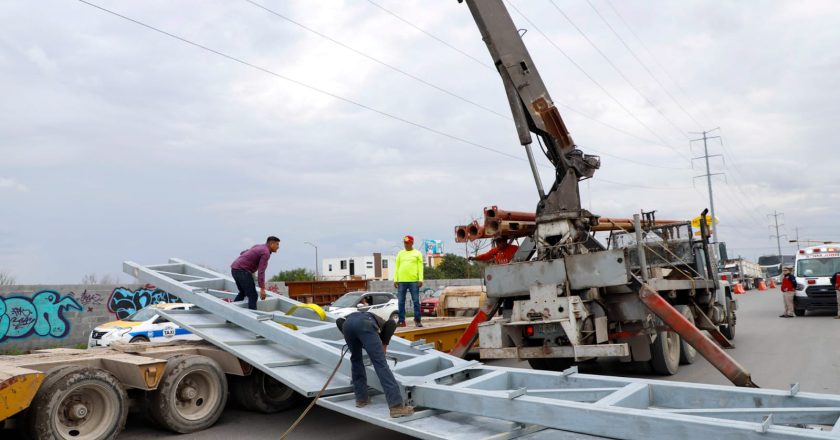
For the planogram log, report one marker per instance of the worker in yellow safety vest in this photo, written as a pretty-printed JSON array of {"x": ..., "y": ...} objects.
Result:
[{"x": 408, "y": 276}]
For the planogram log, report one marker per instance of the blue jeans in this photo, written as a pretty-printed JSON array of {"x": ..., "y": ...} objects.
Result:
[
  {"x": 245, "y": 285},
  {"x": 361, "y": 331},
  {"x": 414, "y": 288}
]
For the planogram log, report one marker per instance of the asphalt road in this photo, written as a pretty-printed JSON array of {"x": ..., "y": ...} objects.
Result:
[{"x": 777, "y": 351}]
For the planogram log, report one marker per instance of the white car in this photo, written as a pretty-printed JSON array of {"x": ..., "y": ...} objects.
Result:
[
  {"x": 145, "y": 325},
  {"x": 383, "y": 304}
]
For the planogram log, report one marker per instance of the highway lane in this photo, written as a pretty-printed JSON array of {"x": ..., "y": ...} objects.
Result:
[{"x": 777, "y": 351}]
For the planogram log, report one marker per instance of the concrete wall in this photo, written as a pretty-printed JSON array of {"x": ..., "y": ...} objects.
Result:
[{"x": 46, "y": 316}]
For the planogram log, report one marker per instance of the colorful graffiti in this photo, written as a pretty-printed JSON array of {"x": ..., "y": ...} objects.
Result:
[
  {"x": 124, "y": 302},
  {"x": 41, "y": 314}
]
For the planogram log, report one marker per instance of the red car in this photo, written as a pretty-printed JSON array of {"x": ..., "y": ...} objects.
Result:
[{"x": 428, "y": 305}]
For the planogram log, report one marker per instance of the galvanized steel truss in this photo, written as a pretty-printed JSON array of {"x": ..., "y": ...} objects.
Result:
[{"x": 467, "y": 399}]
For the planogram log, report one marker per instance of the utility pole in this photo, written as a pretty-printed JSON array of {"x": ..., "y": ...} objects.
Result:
[
  {"x": 777, "y": 236},
  {"x": 316, "y": 258},
  {"x": 708, "y": 174},
  {"x": 797, "y": 238}
]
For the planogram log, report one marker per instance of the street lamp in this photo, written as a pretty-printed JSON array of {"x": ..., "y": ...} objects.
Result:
[{"x": 316, "y": 258}]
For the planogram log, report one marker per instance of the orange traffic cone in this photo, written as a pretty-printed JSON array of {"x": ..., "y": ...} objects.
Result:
[
  {"x": 738, "y": 289},
  {"x": 772, "y": 283},
  {"x": 761, "y": 285}
]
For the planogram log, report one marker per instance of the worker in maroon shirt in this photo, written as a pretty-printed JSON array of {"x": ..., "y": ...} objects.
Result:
[
  {"x": 502, "y": 252},
  {"x": 248, "y": 262}
]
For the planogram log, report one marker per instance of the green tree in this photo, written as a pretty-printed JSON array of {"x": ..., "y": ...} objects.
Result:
[
  {"x": 299, "y": 274},
  {"x": 453, "y": 266}
]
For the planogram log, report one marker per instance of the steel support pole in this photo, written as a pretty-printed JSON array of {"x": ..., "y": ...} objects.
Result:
[
  {"x": 640, "y": 246},
  {"x": 534, "y": 170}
]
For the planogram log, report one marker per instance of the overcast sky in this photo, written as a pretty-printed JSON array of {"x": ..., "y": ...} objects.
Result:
[{"x": 120, "y": 143}]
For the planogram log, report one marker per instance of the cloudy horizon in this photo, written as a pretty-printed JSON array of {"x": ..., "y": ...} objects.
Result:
[{"x": 120, "y": 143}]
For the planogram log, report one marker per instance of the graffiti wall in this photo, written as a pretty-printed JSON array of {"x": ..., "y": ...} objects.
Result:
[
  {"x": 123, "y": 301},
  {"x": 36, "y": 317},
  {"x": 41, "y": 314}
]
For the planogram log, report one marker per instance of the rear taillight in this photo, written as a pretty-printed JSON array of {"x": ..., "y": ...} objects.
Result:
[
  {"x": 529, "y": 330},
  {"x": 812, "y": 281},
  {"x": 724, "y": 277}
]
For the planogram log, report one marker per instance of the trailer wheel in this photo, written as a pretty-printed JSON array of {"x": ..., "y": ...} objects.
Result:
[
  {"x": 665, "y": 353},
  {"x": 191, "y": 395},
  {"x": 551, "y": 364},
  {"x": 79, "y": 403},
  {"x": 688, "y": 354},
  {"x": 261, "y": 392},
  {"x": 728, "y": 329}
]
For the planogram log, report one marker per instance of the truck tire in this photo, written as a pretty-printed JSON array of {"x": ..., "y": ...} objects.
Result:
[
  {"x": 728, "y": 329},
  {"x": 688, "y": 354},
  {"x": 191, "y": 395},
  {"x": 76, "y": 402},
  {"x": 665, "y": 353},
  {"x": 551, "y": 364},
  {"x": 262, "y": 393}
]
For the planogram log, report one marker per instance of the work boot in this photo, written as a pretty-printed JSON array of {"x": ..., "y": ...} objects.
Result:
[
  {"x": 401, "y": 411},
  {"x": 837, "y": 317},
  {"x": 363, "y": 403},
  {"x": 418, "y": 324},
  {"x": 401, "y": 324}
]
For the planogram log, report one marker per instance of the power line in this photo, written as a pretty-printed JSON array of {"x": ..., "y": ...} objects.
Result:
[
  {"x": 558, "y": 103},
  {"x": 594, "y": 81},
  {"x": 618, "y": 70},
  {"x": 336, "y": 96},
  {"x": 377, "y": 60},
  {"x": 439, "y": 40},
  {"x": 652, "y": 165},
  {"x": 650, "y": 54}
]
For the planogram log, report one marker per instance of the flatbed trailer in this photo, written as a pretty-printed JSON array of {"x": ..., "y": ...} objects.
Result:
[
  {"x": 85, "y": 394},
  {"x": 443, "y": 332}
]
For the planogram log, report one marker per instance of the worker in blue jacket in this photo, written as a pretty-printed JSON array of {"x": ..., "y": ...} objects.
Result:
[{"x": 365, "y": 330}]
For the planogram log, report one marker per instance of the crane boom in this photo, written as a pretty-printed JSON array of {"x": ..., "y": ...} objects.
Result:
[{"x": 561, "y": 223}]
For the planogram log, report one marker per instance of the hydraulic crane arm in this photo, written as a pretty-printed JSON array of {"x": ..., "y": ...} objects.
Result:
[{"x": 560, "y": 219}]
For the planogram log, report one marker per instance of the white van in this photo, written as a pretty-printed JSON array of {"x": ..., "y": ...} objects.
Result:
[{"x": 814, "y": 267}]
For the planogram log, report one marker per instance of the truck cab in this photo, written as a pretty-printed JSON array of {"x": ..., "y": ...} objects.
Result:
[{"x": 813, "y": 270}]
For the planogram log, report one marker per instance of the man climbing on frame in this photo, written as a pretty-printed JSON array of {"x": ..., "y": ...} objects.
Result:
[
  {"x": 365, "y": 330},
  {"x": 408, "y": 277},
  {"x": 249, "y": 261}
]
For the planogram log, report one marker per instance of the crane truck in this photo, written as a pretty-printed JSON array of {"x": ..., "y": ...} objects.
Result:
[{"x": 568, "y": 297}]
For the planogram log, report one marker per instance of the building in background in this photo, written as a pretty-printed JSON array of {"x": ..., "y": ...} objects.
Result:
[
  {"x": 433, "y": 252},
  {"x": 370, "y": 267}
]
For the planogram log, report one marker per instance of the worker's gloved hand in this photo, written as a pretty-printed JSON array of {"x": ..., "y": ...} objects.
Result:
[
  {"x": 420, "y": 284},
  {"x": 395, "y": 284},
  {"x": 385, "y": 348},
  {"x": 262, "y": 293}
]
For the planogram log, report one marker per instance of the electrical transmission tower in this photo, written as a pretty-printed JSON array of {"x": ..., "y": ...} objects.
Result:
[
  {"x": 708, "y": 174},
  {"x": 777, "y": 236}
]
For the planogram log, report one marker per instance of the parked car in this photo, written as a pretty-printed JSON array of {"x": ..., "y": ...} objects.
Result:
[
  {"x": 428, "y": 305},
  {"x": 145, "y": 325},
  {"x": 383, "y": 304}
]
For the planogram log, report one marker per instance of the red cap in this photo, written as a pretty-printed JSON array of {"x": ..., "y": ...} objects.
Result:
[{"x": 408, "y": 239}]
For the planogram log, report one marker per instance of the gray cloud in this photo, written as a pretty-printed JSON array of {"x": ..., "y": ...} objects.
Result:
[{"x": 132, "y": 145}]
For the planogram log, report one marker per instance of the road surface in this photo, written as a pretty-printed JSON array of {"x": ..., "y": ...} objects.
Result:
[{"x": 777, "y": 351}]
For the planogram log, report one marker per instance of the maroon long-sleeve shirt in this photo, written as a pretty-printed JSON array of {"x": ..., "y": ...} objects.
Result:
[{"x": 254, "y": 260}]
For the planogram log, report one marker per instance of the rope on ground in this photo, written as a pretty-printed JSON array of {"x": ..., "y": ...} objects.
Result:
[{"x": 320, "y": 393}]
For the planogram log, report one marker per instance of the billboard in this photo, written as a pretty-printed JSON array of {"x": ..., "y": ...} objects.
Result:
[{"x": 433, "y": 247}]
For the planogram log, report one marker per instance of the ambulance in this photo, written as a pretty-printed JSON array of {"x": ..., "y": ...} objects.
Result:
[
  {"x": 814, "y": 267},
  {"x": 145, "y": 325}
]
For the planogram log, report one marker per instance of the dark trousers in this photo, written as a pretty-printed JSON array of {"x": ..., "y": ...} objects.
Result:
[
  {"x": 414, "y": 289},
  {"x": 245, "y": 285},
  {"x": 361, "y": 332}
]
